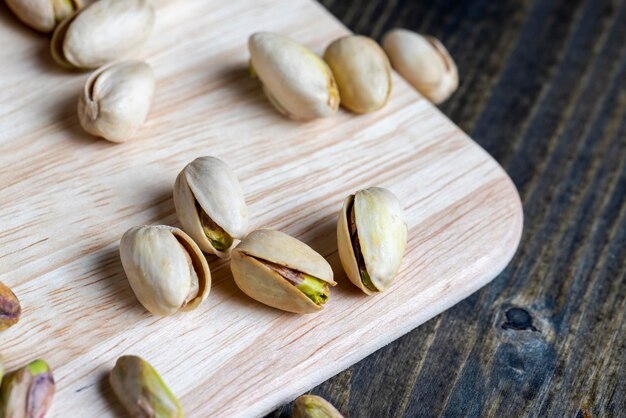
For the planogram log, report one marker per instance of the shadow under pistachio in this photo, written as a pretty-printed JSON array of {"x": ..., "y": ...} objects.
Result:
[
  {"x": 110, "y": 272},
  {"x": 247, "y": 90},
  {"x": 113, "y": 405}
]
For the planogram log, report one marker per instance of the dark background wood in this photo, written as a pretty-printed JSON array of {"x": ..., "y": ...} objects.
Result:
[{"x": 543, "y": 89}]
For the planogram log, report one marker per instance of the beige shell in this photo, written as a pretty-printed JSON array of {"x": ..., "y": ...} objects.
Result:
[
  {"x": 362, "y": 72},
  {"x": 382, "y": 232},
  {"x": 268, "y": 287},
  {"x": 162, "y": 264},
  {"x": 215, "y": 187},
  {"x": 116, "y": 100},
  {"x": 297, "y": 82},
  {"x": 424, "y": 62},
  {"x": 105, "y": 31},
  {"x": 43, "y": 15}
]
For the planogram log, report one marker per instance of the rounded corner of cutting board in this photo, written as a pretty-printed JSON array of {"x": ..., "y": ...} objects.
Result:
[{"x": 510, "y": 240}]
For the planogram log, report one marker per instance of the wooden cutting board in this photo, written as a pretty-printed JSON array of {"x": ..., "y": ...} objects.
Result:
[{"x": 66, "y": 198}]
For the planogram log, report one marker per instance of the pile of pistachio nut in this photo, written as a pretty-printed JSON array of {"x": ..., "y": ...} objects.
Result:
[{"x": 267, "y": 265}]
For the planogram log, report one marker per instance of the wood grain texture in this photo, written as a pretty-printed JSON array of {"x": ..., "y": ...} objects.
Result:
[
  {"x": 543, "y": 89},
  {"x": 66, "y": 199}
]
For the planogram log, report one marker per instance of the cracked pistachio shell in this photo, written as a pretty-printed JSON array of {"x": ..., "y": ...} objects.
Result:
[
  {"x": 297, "y": 82},
  {"x": 311, "y": 406},
  {"x": 103, "y": 32},
  {"x": 266, "y": 285},
  {"x": 43, "y": 15},
  {"x": 165, "y": 268},
  {"x": 207, "y": 184},
  {"x": 362, "y": 71},
  {"x": 382, "y": 234},
  {"x": 116, "y": 100},
  {"x": 27, "y": 392},
  {"x": 424, "y": 62},
  {"x": 141, "y": 390},
  {"x": 10, "y": 309}
]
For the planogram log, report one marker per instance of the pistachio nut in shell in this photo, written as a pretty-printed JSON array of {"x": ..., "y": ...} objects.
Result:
[
  {"x": 103, "y": 32},
  {"x": 282, "y": 272},
  {"x": 141, "y": 390},
  {"x": 43, "y": 15},
  {"x": 27, "y": 392},
  {"x": 10, "y": 309},
  {"x": 116, "y": 100},
  {"x": 210, "y": 205},
  {"x": 424, "y": 62},
  {"x": 297, "y": 82},
  {"x": 165, "y": 268},
  {"x": 311, "y": 406},
  {"x": 372, "y": 237},
  {"x": 362, "y": 72}
]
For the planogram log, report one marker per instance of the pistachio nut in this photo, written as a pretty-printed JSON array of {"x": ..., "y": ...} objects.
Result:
[
  {"x": 43, "y": 15},
  {"x": 210, "y": 205},
  {"x": 311, "y": 406},
  {"x": 27, "y": 392},
  {"x": 141, "y": 390},
  {"x": 424, "y": 62},
  {"x": 282, "y": 272},
  {"x": 362, "y": 71},
  {"x": 371, "y": 238},
  {"x": 165, "y": 268},
  {"x": 10, "y": 309},
  {"x": 296, "y": 81},
  {"x": 102, "y": 32},
  {"x": 116, "y": 100}
]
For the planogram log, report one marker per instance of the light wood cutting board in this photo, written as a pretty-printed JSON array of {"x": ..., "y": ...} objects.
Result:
[{"x": 66, "y": 198}]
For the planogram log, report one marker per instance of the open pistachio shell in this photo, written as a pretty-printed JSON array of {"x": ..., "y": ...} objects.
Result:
[
  {"x": 105, "y": 31},
  {"x": 372, "y": 237},
  {"x": 27, "y": 392},
  {"x": 311, "y": 406},
  {"x": 297, "y": 82},
  {"x": 362, "y": 71},
  {"x": 210, "y": 205},
  {"x": 43, "y": 15},
  {"x": 116, "y": 100},
  {"x": 424, "y": 62},
  {"x": 141, "y": 390},
  {"x": 165, "y": 268},
  {"x": 281, "y": 271}
]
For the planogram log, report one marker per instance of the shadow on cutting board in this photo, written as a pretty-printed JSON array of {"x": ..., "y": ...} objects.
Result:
[{"x": 113, "y": 405}]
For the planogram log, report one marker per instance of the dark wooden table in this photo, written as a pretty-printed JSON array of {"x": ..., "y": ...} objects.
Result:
[{"x": 543, "y": 89}]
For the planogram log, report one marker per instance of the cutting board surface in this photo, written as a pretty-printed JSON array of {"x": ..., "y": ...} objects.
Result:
[{"x": 66, "y": 199}]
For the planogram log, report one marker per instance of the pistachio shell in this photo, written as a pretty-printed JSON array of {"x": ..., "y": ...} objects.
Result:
[
  {"x": 381, "y": 228},
  {"x": 296, "y": 81},
  {"x": 424, "y": 62},
  {"x": 43, "y": 15},
  {"x": 141, "y": 390},
  {"x": 211, "y": 184},
  {"x": 116, "y": 100},
  {"x": 311, "y": 406},
  {"x": 27, "y": 392},
  {"x": 250, "y": 269},
  {"x": 10, "y": 309},
  {"x": 165, "y": 268},
  {"x": 103, "y": 32},
  {"x": 362, "y": 71}
]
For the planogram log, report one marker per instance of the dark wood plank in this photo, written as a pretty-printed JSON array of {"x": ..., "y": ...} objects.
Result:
[{"x": 543, "y": 89}]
